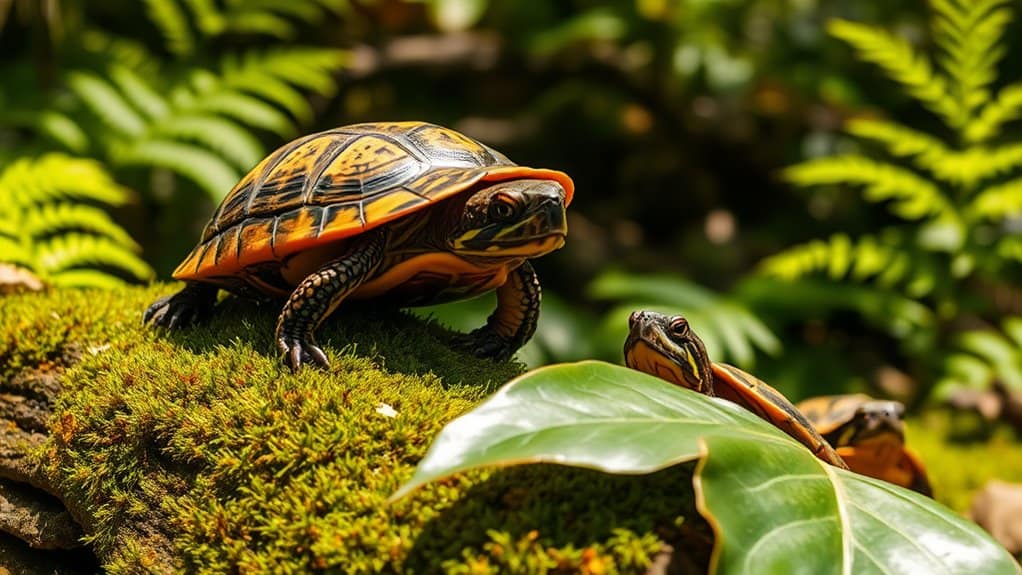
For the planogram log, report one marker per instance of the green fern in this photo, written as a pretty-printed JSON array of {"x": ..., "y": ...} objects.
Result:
[
  {"x": 949, "y": 188},
  {"x": 955, "y": 198},
  {"x": 202, "y": 127},
  {"x": 909, "y": 195},
  {"x": 983, "y": 357},
  {"x": 902, "y": 63},
  {"x": 883, "y": 261},
  {"x": 51, "y": 225},
  {"x": 184, "y": 22}
]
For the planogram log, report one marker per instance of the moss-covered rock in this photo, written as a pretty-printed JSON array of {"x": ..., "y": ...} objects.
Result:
[{"x": 197, "y": 450}]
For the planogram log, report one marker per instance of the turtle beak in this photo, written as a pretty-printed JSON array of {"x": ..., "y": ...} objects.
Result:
[{"x": 549, "y": 212}]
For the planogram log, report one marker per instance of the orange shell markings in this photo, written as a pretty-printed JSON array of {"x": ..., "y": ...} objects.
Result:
[
  {"x": 771, "y": 405},
  {"x": 332, "y": 185}
]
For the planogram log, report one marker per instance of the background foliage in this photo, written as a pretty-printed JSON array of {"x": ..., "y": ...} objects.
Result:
[{"x": 740, "y": 161}]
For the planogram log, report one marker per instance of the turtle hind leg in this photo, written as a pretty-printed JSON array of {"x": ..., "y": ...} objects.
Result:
[
  {"x": 512, "y": 324},
  {"x": 318, "y": 295},
  {"x": 193, "y": 303}
]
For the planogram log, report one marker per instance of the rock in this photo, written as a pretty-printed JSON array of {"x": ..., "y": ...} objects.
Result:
[
  {"x": 986, "y": 403},
  {"x": 15, "y": 279},
  {"x": 36, "y": 518},
  {"x": 17, "y": 558},
  {"x": 998, "y": 509}
]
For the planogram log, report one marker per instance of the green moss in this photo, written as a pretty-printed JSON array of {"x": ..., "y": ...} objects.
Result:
[
  {"x": 198, "y": 450},
  {"x": 958, "y": 466}
]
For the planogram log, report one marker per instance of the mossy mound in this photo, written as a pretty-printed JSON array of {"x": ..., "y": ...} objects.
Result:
[{"x": 197, "y": 450}]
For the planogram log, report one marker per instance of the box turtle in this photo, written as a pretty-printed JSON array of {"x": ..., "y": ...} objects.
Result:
[
  {"x": 666, "y": 347},
  {"x": 407, "y": 213},
  {"x": 869, "y": 435}
]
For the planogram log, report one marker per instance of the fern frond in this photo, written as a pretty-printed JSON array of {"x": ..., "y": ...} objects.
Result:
[
  {"x": 42, "y": 231},
  {"x": 245, "y": 109},
  {"x": 173, "y": 24},
  {"x": 207, "y": 16},
  {"x": 911, "y": 197},
  {"x": 223, "y": 136},
  {"x": 998, "y": 202},
  {"x": 69, "y": 251},
  {"x": 309, "y": 68},
  {"x": 62, "y": 129},
  {"x": 139, "y": 92},
  {"x": 968, "y": 33},
  {"x": 54, "y": 177},
  {"x": 103, "y": 100},
  {"x": 15, "y": 252},
  {"x": 966, "y": 168},
  {"x": 261, "y": 23},
  {"x": 206, "y": 169},
  {"x": 304, "y": 10},
  {"x": 984, "y": 357},
  {"x": 900, "y": 141},
  {"x": 1005, "y": 108},
  {"x": 901, "y": 63},
  {"x": 120, "y": 51},
  {"x": 271, "y": 75},
  {"x": 979, "y": 163},
  {"x": 52, "y": 219},
  {"x": 273, "y": 90},
  {"x": 865, "y": 260}
]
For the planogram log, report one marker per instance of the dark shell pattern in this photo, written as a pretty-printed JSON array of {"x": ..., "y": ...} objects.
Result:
[{"x": 338, "y": 181}]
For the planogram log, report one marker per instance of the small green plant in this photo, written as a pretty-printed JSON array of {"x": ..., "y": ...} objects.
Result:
[
  {"x": 955, "y": 196},
  {"x": 51, "y": 223}
]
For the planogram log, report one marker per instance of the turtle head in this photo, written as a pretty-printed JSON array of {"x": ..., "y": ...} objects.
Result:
[
  {"x": 666, "y": 347},
  {"x": 874, "y": 421},
  {"x": 512, "y": 219}
]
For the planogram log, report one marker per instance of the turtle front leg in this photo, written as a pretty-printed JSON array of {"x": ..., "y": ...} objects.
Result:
[
  {"x": 318, "y": 295},
  {"x": 193, "y": 303},
  {"x": 512, "y": 324}
]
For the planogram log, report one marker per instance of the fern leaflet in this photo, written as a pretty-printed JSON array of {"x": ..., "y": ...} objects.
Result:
[
  {"x": 902, "y": 64},
  {"x": 1007, "y": 107},
  {"x": 46, "y": 228},
  {"x": 911, "y": 196},
  {"x": 968, "y": 37}
]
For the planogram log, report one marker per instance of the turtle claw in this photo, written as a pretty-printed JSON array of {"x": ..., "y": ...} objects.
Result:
[
  {"x": 186, "y": 307},
  {"x": 298, "y": 350},
  {"x": 484, "y": 343}
]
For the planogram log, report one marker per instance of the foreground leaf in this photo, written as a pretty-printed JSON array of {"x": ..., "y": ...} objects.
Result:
[{"x": 774, "y": 506}]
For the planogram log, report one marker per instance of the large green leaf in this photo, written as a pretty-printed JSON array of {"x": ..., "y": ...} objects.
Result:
[{"x": 775, "y": 507}]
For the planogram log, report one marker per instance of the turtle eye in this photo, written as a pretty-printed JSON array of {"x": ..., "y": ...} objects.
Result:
[
  {"x": 502, "y": 210},
  {"x": 679, "y": 326}
]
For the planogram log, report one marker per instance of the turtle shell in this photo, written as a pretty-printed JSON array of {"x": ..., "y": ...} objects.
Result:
[
  {"x": 746, "y": 390},
  {"x": 332, "y": 185},
  {"x": 829, "y": 412}
]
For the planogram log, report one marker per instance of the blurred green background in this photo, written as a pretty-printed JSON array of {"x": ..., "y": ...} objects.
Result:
[{"x": 835, "y": 206}]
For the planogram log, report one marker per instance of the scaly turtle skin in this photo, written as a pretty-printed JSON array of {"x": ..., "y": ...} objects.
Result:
[
  {"x": 664, "y": 346},
  {"x": 405, "y": 213},
  {"x": 870, "y": 436}
]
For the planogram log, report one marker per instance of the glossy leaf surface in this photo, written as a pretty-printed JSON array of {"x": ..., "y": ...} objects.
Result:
[{"x": 775, "y": 507}]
